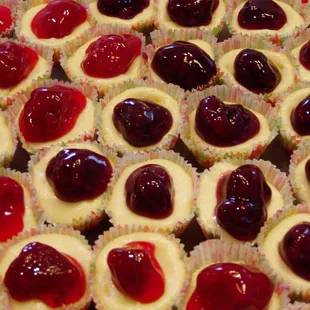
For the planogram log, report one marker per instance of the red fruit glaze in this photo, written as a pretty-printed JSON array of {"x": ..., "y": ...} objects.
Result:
[
  {"x": 304, "y": 55},
  {"x": 12, "y": 208},
  {"x": 41, "y": 272},
  {"x": 5, "y": 18},
  {"x": 300, "y": 117},
  {"x": 50, "y": 113},
  {"x": 229, "y": 286},
  {"x": 111, "y": 55},
  {"x": 58, "y": 19},
  {"x": 16, "y": 62},
  {"x": 136, "y": 272}
]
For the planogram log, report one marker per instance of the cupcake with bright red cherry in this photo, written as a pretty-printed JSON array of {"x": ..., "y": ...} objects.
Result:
[{"x": 7, "y": 17}]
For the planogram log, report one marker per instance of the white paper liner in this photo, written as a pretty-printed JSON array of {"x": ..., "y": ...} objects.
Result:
[
  {"x": 297, "y": 306},
  {"x": 206, "y": 156},
  {"x": 167, "y": 142},
  {"x": 14, "y": 7},
  {"x": 4, "y": 299}
]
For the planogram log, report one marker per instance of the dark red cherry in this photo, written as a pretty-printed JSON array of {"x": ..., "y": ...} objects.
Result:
[
  {"x": 307, "y": 170},
  {"x": 184, "y": 64},
  {"x": 141, "y": 123},
  {"x": 224, "y": 125},
  {"x": 294, "y": 249},
  {"x": 300, "y": 117},
  {"x": 230, "y": 286},
  {"x": 111, "y": 55},
  {"x": 50, "y": 113},
  {"x": 150, "y": 192},
  {"x": 136, "y": 272},
  {"x": 41, "y": 272},
  {"x": 124, "y": 9},
  {"x": 192, "y": 13},
  {"x": 78, "y": 174},
  {"x": 304, "y": 55},
  {"x": 261, "y": 14},
  {"x": 254, "y": 71},
  {"x": 12, "y": 208},
  {"x": 5, "y": 18},
  {"x": 16, "y": 62}
]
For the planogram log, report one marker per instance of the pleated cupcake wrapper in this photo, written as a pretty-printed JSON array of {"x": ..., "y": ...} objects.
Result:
[
  {"x": 4, "y": 299},
  {"x": 296, "y": 292},
  {"x": 118, "y": 231},
  {"x": 61, "y": 230},
  {"x": 166, "y": 143},
  {"x": 206, "y": 156},
  {"x": 301, "y": 8},
  {"x": 20, "y": 99},
  {"x": 132, "y": 159},
  {"x": 217, "y": 251},
  {"x": 95, "y": 216},
  {"x": 297, "y": 306},
  {"x": 71, "y": 47},
  {"x": 14, "y": 7}
]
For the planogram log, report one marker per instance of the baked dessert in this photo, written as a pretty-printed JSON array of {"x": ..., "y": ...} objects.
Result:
[
  {"x": 7, "y": 17},
  {"x": 176, "y": 14},
  {"x": 47, "y": 268},
  {"x": 70, "y": 181},
  {"x": 141, "y": 116},
  {"x": 139, "y": 269},
  {"x": 220, "y": 269},
  {"x": 138, "y": 15},
  {"x": 154, "y": 190},
  {"x": 190, "y": 53},
  {"x": 54, "y": 112},
  {"x": 212, "y": 136},
  {"x": 92, "y": 57},
  {"x": 256, "y": 187}
]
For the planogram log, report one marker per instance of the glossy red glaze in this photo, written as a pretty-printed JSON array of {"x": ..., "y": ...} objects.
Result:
[
  {"x": 304, "y": 55},
  {"x": 300, "y": 117},
  {"x": 5, "y": 18}
]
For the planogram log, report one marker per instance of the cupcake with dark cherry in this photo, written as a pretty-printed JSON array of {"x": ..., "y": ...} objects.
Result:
[
  {"x": 7, "y": 17},
  {"x": 137, "y": 268},
  {"x": 141, "y": 116}
]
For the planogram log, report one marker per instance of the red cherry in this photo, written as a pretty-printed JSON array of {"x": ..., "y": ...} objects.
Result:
[
  {"x": 304, "y": 55},
  {"x": 111, "y": 55},
  {"x": 41, "y": 272},
  {"x": 5, "y": 18},
  {"x": 300, "y": 117},
  {"x": 50, "y": 113},
  {"x": 136, "y": 272},
  {"x": 58, "y": 19}
]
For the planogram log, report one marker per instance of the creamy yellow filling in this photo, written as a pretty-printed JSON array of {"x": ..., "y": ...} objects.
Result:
[{"x": 6, "y": 139}]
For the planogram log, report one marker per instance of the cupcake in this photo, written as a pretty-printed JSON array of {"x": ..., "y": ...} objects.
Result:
[
  {"x": 154, "y": 190},
  {"x": 70, "y": 182},
  {"x": 138, "y": 15},
  {"x": 47, "y": 268},
  {"x": 230, "y": 276},
  {"x": 293, "y": 115},
  {"x": 182, "y": 57},
  {"x": 137, "y": 268},
  {"x": 54, "y": 112},
  {"x": 104, "y": 56},
  {"x": 215, "y": 136},
  {"x": 7, "y": 17},
  {"x": 256, "y": 187},
  {"x": 52, "y": 23},
  {"x": 284, "y": 243},
  {"x": 208, "y": 15},
  {"x": 141, "y": 116},
  {"x": 30, "y": 63}
]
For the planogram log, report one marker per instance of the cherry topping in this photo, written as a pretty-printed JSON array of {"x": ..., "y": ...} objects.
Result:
[
  {"x": 254, "y": 71},
  {"x": 242, "y": 198},
  {"x": 12, "y": 208},
  {"x": 41, "y": 272},
  {"x": 136, "y": 272},
  {"x": 261, "y": 14},
  {"x": 124, "y": 9},
  {"x": 307, "y": 170},
  {"x": 231, "y": 286},
  {"x": 304, "y": 55},
  {"x": 149, "y": 192},
  {"x": 224, "y": 125},
  {"x": 184, "y": 64},
  {"x": 16, "y": 62},
  {"x": 77, "y": 174},
  {"x": 5, "y": 18},
  {"x": 300, "y": 117},
  {"x": 141, "y": 122},
  {"x": 50, "y": 113},
  {"x": 192, "y": 13},
  {"x": 294, "y": 249},
  {"x": 111, "y": 55}
]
